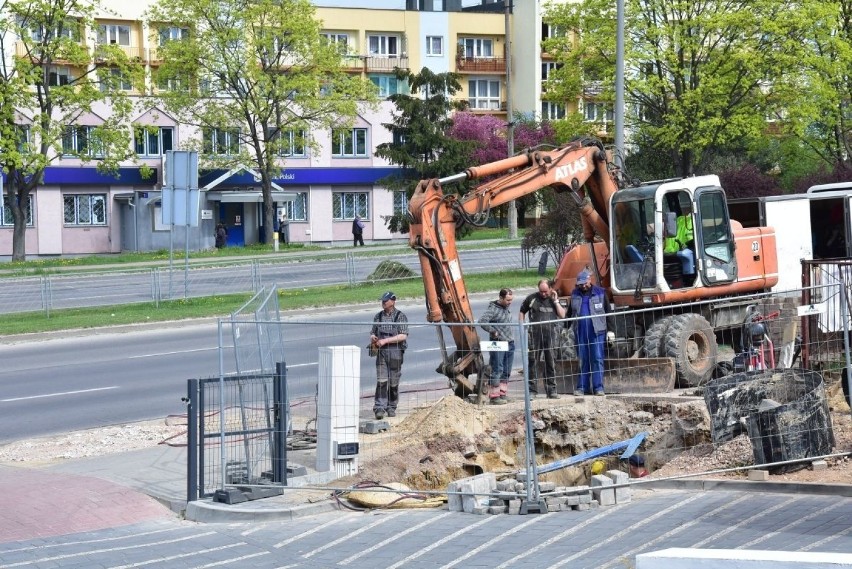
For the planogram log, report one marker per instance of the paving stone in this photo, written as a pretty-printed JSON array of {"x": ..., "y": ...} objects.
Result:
[
  {"x": 572, "y": 500},
  {"x": 581, "y": 507},
  {"x": 554, "y": 508},
  {"x": 507, "y": 485},
  {"x": 467, "y": 493},
  {"x": 544, "y": 487},
  {"x": 497, "y": 510},
  {"x": 819, "y": 465},
  {"x": 372, "y": 427},
  {"x": 479, "y": 510},
  {"x": 554, "y": 500},
  {"x": 520, "y": 488}
]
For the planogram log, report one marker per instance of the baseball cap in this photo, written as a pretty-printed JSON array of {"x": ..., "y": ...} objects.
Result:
[
  {"x": 583, "y": 277},
  {"x": 388, "y": 296},
  {"x": 636, "y": 460}
]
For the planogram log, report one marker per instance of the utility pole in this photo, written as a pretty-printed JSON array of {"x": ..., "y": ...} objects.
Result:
[
  {"x": 619, "y": 84},
  {"x": 510, "y": 120}
]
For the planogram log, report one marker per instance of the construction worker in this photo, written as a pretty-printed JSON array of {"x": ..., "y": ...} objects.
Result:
[
  {"x": 680, "y": 244},
  {"x": 589, "y": 333}
]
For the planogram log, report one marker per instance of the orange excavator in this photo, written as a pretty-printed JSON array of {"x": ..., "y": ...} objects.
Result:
[{"x": 625, "y": 231}]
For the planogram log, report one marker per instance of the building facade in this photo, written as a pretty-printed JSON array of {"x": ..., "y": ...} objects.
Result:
[{"x": 80, "y": 211}]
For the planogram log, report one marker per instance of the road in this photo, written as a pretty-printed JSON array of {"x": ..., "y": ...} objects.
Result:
[
  {"x": 603, "y": 538},
  {"x": 109, "y": 377},
  {"x": 118, "y": 285}
]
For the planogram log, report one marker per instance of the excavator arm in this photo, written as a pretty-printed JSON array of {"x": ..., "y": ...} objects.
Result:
[{"x": 580, "y": 167}]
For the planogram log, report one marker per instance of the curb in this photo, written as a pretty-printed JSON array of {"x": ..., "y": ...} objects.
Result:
[
  {"x": 705, "y": 485},
  {"x": 206, "y": 511}
]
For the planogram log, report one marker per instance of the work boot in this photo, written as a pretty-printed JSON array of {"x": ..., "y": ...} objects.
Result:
[
  {"x": 578, "y": 393},
  {"x": 599, "y": 392},
  {"x": 553, "y": 395},
  {"x": 380, "y": 414},
  {"x": 498, "y": 401},
  {"x": 504, "y": 388},
  {"x": 391, "y": 412}
]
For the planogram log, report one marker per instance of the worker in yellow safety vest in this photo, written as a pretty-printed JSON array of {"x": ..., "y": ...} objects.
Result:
[{"x": 682, "y": 242}]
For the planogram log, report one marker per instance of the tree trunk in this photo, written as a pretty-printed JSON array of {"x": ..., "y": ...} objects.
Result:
[
  {"x": 17, "y": 196},
  {"x": 268, "y": 210},
  {"x": 513, "y": 220}
]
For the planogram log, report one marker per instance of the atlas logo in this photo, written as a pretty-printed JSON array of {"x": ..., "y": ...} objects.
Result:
[{"x": 571, "y": 169}]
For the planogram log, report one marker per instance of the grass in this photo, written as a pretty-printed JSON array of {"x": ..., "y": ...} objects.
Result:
[{"x": 222, "y": 305}]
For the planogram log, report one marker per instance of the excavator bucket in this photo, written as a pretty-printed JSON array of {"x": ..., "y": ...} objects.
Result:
[{"x": 623, "y": 375}]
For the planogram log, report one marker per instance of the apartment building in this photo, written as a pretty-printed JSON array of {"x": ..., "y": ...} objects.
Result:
[{"x": 78, "y": 210}]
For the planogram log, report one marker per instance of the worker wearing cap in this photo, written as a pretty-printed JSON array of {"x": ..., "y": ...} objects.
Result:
[
  {"x": 588, "y": 303},
  {"x": 389, "y": 334},
  {"x": 636, "y": 465}
]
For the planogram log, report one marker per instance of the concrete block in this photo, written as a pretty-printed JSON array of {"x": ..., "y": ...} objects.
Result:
[
  {"x": 480, "y": 510},
  {"x": 554, "y": 500},
  {"x": 514, "y": 511},
  {"x": 581, "y": 507},
  {"x": 758, "y": 475},
  {"x": 554, "y": 508},
  {"x": 507, "y": 485},
  {"x": 594, "y": 504},
  {"x": 600, "y": 491},
  {"x": 677, "y": 558},
  {"x": 372, "y": 427},
  {"x": 819, "y": 465},
  {"x": 544, "y": 487},
  {"x": 622, "y": 494},
  {"x": 465, "y": 494},
  {"x": 572, "y": 499},
  {"x": 497, "y": 510},
  {"x": 506, "y": 495},
  {"x": 496, "y": 502},
  {"x": 520, "y": 488}
]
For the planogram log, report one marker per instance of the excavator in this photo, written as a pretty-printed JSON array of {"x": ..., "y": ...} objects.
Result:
[{"x": 656, "y": 314}]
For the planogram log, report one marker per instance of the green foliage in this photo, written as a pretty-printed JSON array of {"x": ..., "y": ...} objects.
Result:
[
  {"x": 560, "y": 228},
  {"x": 422, "y": 145},
  {"x": 36, "y": 107},
  {"x": 696, "y": 71},
  {"x": 261, "y": 67},
  {"x": 390, "y": 270}
]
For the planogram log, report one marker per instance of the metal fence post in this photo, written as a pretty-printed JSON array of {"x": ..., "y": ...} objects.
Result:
[
  {"x": 280, "y": 413},
  {"x": 844, "y": 309},
  {"x": 350, "y": 268},
  {"x": 533, "y": 502},
  {"x": 46, "y": 294},
  {"x": 191, "y": 440}
]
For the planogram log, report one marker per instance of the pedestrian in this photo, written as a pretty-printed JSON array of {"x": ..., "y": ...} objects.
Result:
[
  {"x": 589, "y": 301},
  {"x": 497, "y": 321},
  {"x": 636, "y": 466},
  {"x": 389, "y": 335},
  {"x": 221, "y": 236},
  {"x": 357, "y": 232},
  {"x": 544, "y": 310}
]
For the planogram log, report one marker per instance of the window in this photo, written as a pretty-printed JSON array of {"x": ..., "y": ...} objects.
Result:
[
  {"x": 346, "y": 205},
  {"x": 6, "y": 219},
  {"x": 551, "y": 111},
  {"x": 115, "y": 79},
  {"x": 297, "y": 210},
  {"x": 477, "y": 47},
  {"x": 221, "y": 141},
  {"x": 484, "y": 94},
  {"x": 114, "y": 34},
  {"x": 57, "y": 76},
  {"x": 22, "y": 134},
  {"x": 349, "y": 142},
  {"x": 547, "y": 68},
  {"x": 383, "y": 46},
  {"x": 291, "y": 142},
  {"x": 341, "y": 40},
  {"x": 153, "y": 141},
  {"x": 597, "y": 112},
  {"x": 171, "y": 33},
  {"x": 85, "y": 209},
  {"x": 81, "y": 141},
  {"x": 400, "y": 202},
  {"x": 434, "y": 45},
  {"x": 39, "y": 32},
  {"x": 550, "y": 31},
  {"x": 388, "y": 85},
  {"x": 173, "y": 84}
]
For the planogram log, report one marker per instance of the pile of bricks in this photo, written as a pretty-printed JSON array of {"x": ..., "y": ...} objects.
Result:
[{"x": 483, "y": 494}]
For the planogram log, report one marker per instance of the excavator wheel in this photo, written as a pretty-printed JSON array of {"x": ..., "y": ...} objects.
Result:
[
  {"x": 654, "y": 336},
  {"x": 690, "y": 340}
]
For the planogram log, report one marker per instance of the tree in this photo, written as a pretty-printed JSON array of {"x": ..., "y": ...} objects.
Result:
[
  {"x": 54, "y": 80},
  {"x": 487, "y": 137},
  {"x": 259, "y": 72},
  {"x": 696, "y": 72},
  {"x": 560, "y": 228},
  {"x": 422, "y": 145}
]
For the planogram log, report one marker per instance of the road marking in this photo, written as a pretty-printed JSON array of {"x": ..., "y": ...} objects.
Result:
[
  {"x": 393, "y": 538},
  {"x": 178, "y": 556},
  {"x": 826, "y": 539},
  {"x": 492, "y": 541},
  {"x": 624, "y": 557},
  {"x": 108, "y": 550},
  {"x": 85, "y": 541},
  {"x": 442, "y": 541},
  {"x": 57, "y": 394},
  {"x": 177, "y": 352},
  {"x": 309, "y": 532},
  {"x": 352, "y": 534},
  {"x": 224, "y": 561},
  {"x": 743, "y": 523},
  {"x": 766, "y": 536},
  {"x": 625, "y": 531}
]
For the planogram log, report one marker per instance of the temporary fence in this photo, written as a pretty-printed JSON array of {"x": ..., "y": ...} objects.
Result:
[{"x": 710, "y": 387}]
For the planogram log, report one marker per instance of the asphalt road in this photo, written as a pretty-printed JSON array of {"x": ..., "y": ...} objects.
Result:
[{"x": 58, "y": 384}]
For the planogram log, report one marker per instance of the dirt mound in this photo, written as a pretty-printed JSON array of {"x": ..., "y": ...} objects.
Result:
[{"x": 447, "y": 416}]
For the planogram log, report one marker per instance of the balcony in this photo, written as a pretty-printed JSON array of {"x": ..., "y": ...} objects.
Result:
[
  {"x": 34, "y": 54},
  {"x": 385, "y": 64},
  {"x": 496, "y": 65},
  {"x": 133, "y": 53}
]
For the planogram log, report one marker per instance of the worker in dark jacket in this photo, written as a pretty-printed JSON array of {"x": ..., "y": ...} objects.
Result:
[
  {"x": 588, "y": 302},
  {"x": 543, "y": 310},
  {"x": 357, "y": 232},
  {"x": 497, "y": 321}
]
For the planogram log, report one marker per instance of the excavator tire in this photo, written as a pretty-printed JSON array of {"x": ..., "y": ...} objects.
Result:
[
  {"x": 690, "y": 340},
  {"x": 654, "y": 336}
]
